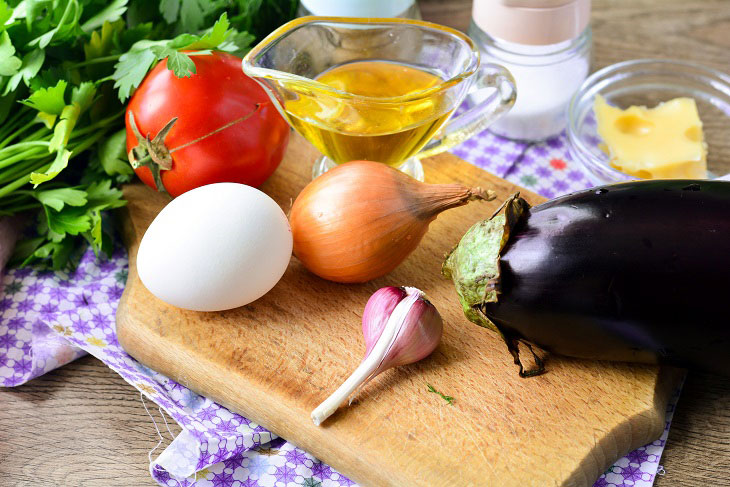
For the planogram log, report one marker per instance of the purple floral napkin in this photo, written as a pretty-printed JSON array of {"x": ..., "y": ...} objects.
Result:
[
  {"x": 50, "y": 318},
  {"x": 28, "y": 347}
]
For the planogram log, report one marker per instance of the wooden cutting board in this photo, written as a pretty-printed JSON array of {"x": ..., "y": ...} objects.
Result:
[{"x": 279, "y": 357}]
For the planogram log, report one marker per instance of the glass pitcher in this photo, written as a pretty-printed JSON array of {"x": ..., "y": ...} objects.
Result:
[{"x": 377, "y": 89}]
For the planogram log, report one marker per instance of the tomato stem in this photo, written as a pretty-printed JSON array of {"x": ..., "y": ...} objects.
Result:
[{"x": 155, "y": 155}]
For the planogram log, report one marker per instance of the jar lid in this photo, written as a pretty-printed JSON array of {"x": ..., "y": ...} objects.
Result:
[{"x": 533, "y": 22}]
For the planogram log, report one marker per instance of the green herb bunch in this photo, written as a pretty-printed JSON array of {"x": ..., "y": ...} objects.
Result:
[{"x": 66, "y": 69}]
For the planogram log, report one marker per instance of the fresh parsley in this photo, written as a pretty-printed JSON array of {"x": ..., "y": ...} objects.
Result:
[
  {"x": 134, "y": 64},
  {"x": 446, "y": 398},
  {"x": 66, "y": 68}
]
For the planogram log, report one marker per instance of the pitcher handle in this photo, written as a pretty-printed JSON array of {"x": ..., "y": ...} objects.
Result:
[{"x": 480, "y": 116}]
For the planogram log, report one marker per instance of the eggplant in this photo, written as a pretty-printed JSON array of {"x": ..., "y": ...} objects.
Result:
[{"x": 636, "y": 272}]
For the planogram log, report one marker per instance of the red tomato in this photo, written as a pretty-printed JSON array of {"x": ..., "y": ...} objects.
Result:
[{"x": 219, "y": 93}]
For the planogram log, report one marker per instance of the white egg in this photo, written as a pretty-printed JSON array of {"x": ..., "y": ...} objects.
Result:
[{"x": 216, "y": 247}]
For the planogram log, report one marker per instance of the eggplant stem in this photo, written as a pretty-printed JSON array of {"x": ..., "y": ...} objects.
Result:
[
  {"x": 504, "y": 204},
  {"x": 514, "y": 350},
  {"x": 539, "y": 370}
]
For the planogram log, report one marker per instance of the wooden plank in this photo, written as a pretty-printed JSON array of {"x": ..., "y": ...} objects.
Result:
[{"x": 276, "y": 359}]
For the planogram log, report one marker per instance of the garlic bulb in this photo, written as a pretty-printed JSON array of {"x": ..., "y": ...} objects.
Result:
[{"x": 400, "y": 327}]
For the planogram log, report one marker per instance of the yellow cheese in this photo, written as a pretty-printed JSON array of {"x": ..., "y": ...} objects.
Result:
[{"x": 653, "y": 143}]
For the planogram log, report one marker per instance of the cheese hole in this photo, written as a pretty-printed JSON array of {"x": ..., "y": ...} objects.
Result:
[
  {"x": 633, "y": 125},
  {"x": 694, "y": 133}
]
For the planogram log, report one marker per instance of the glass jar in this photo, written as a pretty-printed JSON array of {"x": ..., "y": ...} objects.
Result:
[
  {"x": 547, "y": 54},
  {"x": 406, "y": 9}
]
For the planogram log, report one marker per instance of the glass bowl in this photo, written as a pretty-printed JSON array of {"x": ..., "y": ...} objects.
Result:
[{"x": 649, "y": 82}]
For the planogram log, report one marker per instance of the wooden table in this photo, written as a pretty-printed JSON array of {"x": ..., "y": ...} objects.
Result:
[{"x": 82, "y": 425}]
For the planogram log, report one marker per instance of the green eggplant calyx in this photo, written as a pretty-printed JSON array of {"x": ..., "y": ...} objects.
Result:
[{"x": 473, "y": 264}]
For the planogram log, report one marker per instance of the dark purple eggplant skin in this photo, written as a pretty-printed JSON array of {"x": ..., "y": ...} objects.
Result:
[{"x": 638, "y": 271}]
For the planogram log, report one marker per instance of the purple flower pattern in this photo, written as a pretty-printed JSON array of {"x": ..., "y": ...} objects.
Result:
[
  {"x": 59, "y": 309},
  {"x": 285, "y": 474}
]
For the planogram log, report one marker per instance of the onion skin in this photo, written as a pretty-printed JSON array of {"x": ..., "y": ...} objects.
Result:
[{"x": 360, "y": 220}]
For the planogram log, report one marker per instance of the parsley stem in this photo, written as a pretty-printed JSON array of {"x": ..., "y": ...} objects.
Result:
[
  {"x": 17, "y": 209},
  {"x": 9, "y": 125},
  {"x": 9, "y": 207},
  {"x": 26, "y": 167},
  {"x": 29, "y": 153},
  {"x": 97, "y": 125},
  {"x": 14, "y": 198},
  {"x": 23, "y": 145},
  {"x": 41, "y": 133},
  {"x": 9, "y": 188},
  {"x": 17, "y": 133},
  {"x": 98, "y": 60},
  {"x": 88, "y": 142}
]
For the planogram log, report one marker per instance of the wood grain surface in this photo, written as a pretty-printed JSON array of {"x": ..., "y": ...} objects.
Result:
[
  {"x": 563, "y": 428},
  {"x": 82, "y": 425}
]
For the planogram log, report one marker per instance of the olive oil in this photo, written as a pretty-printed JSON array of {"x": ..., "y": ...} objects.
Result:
[{"x": 374, "y": 127}]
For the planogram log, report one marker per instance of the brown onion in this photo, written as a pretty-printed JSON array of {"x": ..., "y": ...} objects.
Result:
[{"x": 360, "y": 220}]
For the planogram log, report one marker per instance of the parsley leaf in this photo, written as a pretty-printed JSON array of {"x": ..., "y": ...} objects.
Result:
[
  {"x": 66, "y": 24},
  {"x": 134, "y": 64},
  {"x": 9, "y": 64},
  {"x": 81, "y": 98},
  {"x": 30, "y": 66},
  {"x": 97, "y": 237},
  {"x": 59, "y": 252},
  {"x": 48, "y": 100},
  {"x": 58, "y": 165},
  {"x": 169, "y": 10},
  {"x": 110, "y": 13},
  {"x": 131, "y": 70},
  {"x": 57, "y": 198},
  {"x": 101, "y": 196},
  {"x": 177, "y": 62},
  {"x": 62, "y": 130},
  {"x": 190, "y": 15},
  {"x": 5, "y": 14},
  {"x": 215, "y": 37},
  {"x": 83, "y": 94},
  {"x": 101, "y": 41},
  {"x": 193, "y": 13},
  {"x": 113, "y": 155},
  {"x": 237, "y": 43},
  {"x": 71, "y": 220}
]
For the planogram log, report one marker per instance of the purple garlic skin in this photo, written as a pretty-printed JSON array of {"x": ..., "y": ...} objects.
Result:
[
  {"x": 377, "y": 311},
  {"x": 419, "y": 333},
  {"x": 400, "y": 327}
]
